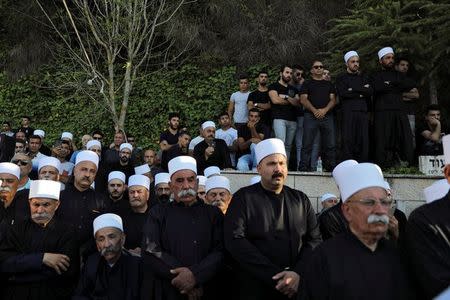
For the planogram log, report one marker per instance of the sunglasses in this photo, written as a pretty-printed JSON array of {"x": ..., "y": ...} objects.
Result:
[
  {"x": 20, "y": 162},
  {"x": 97, "y": 137},
  {"x": 318, "y": 67}
]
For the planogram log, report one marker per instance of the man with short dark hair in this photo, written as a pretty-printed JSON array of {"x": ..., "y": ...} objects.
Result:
[
  {"x": 25, "y": 126},
  {"x": 6, "y": 129},
  {"x": 228, "y": 134},
  {"x": 170, "y": 136},
  {"x": 34, "y": 145},
  {"x": 21, "y": 146},
  {"x": 237, "y": 107},
  {"x": 111, "y": 155},
  {"x": 248, "y": 137},
  {"x": 181, "y": 148},
  {"x": 260, "y": 99},
  {"x": 318, "y": 96},
  {"x": 430, "y": 132}
]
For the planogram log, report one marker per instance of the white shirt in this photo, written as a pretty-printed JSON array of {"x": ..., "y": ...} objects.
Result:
[{"x": 240, "y": 114}]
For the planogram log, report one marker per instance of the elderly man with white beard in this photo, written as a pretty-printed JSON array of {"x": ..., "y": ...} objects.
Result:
[
  {"x": 182, "y": 240},
  {"x": 360, "y": 263},
  {"x": 218, "y": 192}
]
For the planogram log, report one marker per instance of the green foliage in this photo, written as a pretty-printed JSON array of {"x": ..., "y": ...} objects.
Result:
[{"x": 197, "y": 94}]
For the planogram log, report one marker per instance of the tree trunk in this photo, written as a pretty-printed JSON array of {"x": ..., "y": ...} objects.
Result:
[
  {"x": 126, "y": 96},
  {"x": 433, "y": 92}
]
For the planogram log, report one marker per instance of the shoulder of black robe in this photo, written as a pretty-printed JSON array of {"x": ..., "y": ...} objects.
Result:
[
  {"x": 7, "y": 147},
  {"x": 332, "y": 222},
  {"x": 428, "y": 244},
  {"x": 18, "y": 211}
]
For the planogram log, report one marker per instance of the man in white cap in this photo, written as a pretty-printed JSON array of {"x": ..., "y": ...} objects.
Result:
[
  {"x": 428, "y": 239},
  {"x": 43, "y": 148},
  {"x": 211, "y": 171},
  {"x": 180, "y": 148},
  {"x": 211, "y": 151},
  {"x": 328, "y": 200},
  {"x": 124, "y": 164},
  {"x": 111, "y": 273},
  {"x": 270, "y": 229},
  {"x": 117, "y": 195},
  {"x": 14, "y": 206},
  {"x": 49, "y": 168},
  {"x": 134, "y": 220},
  {"x": 182, "y": 242},
  {"x": 354, "y": 93},
  {"x": 39, "y": 256},
  {"x": 346, "y": 266},
  {"x": 80, "y": 204},
  {"x": 392, "y": 133},
  {"x": 218, "y": 192},
  {"x": 201, "y": 189},
  {"x": 162, "y": 189}
]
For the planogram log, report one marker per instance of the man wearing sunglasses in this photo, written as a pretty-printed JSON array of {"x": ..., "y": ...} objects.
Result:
[
  {"x": 24, "y": 162},
  {"x": 351, "y": 263}
]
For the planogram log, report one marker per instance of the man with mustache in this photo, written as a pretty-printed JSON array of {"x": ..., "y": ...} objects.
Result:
[
  {"x": 117, "y": 196},
  {"x": 39, "y": 256},
  {"x": 270, "y": 230},
  {"x": 162, "y": 189},
  {"x": 392, "y": 132},
  {"x": 428, "y": 239},
  {"x": 182, "y": 241},
  {"x": 218, "y": 192},
  {"x": 111, "y": 273},
  {"x": 348, "y": 265}
]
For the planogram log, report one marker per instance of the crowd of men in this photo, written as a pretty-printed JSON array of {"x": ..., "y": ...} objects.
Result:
[{"x": 118, "y": 222}]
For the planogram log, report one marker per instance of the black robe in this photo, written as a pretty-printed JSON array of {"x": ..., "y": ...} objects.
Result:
[
  {"x": 133, "y": 225},
  {"x": 17, "y": 211},
  {"x": 120, "y": 207},
  {"x": 392, "y": 132},
  {"x": 21, "y": 254},
  {"x": 99, "y": 281},
  {"x": 220, "y": 157},
  {"x": 265, "y": 235},
  {"x": 344, "y": 268},
  {"x": 428, "y": 240},
  {"x": 179, "y": 236},
  {"x": 355, "y": 121}
]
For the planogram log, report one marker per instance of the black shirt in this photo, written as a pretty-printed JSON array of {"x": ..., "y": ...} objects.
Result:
[
  {"x": 133, "y": 225},
  {"x": 427, "y": 146},
  {"x": 220, "y": 157},
  {"x": 262, "y": 97},
  {"x": 284, "y": 112},
  {"x": 318, "y": 92},
  {"x": 170, "y": 138},
  {"x": 245, "y": 133},
  {"x": 358, "y": 98}
]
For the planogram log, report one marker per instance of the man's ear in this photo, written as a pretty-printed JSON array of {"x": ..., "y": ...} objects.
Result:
[{"x": 447, "y": 172}]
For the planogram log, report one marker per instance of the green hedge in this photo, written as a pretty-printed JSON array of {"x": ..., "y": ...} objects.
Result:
[{"x": 197, "y": 94}]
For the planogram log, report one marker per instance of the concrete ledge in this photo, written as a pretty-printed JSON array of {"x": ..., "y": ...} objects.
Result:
[{"x": 408, "y": 189}]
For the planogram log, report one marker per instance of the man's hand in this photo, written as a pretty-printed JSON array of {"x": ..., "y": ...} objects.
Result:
[
  {"x": 320, "y": 113},
  {"x": 287, "y": 282},
  {"x": 393, "y": 228},
  {"x": 209, "y": 151},
  {"x": 184, "y": 280},
  {"x": 59, "y": 262},
  {"x": 251, "y": 124},
  {"x": 433, "y": 121},
  {"x": 135, "y": 252}
]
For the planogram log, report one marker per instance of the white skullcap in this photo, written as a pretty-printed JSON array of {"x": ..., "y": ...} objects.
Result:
[
  {"x": 387, "y": 185},
  {"x": 269, "y": 147},
  {"x": 87, "y": 155},
  {"x": 10, "y": 168},
  {"x": 350, "y": 54},
  {"x": 39, "y": 132},
  {"x": 93, "y": 143},
  {"x": 340, "y": 168},
  {"x": 49, "y": 161},
  {"x": 45, "y": 189},
  {"x": 327, "y": 196},
  {"x": 358, "y": 177},
  {"x": 436, "y": 191},
  {"x": 202, "y": 180},
  {"x": 117, "y": 175},
  {"x": 182, "y": 163},
  {"x": 211, "y": 171},
  {"x": 255, "y": 179},
  {"x": 142, "y": 169},
  {"x": 446, "y": 146},
  {"x": 141, "y": 180},
  {"x": 162, "y": 178},
  {"x": 126, "y": 145},
  {"x": 384, "y": 51},
  {"x": 208, "y": 124},
  {"x": 217, "y": 182},
  {"x": 67, "y": 135},
  {"x": 107, "y": 220}
]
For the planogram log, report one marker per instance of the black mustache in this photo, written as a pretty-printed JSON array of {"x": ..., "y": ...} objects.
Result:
[{"x": 277, "y": 175}]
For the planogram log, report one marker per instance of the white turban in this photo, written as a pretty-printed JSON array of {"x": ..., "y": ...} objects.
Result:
[
  {"x": 384, "y": 51},
  {"x": 350, "y": 54},
  {"x": 107, "y": 220},
  {"x": 269, "y": 147}
]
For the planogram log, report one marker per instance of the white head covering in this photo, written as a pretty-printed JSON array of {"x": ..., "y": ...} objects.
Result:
[
  {"x": 350, "y": 54},
  {"x": 49, "y": 161},
  {"x": 45, "y": 189},
  {"x": 162, "y": 178},
  {"x": 10, "y": 168},
  {"x": 446, "y": 146},
  {"x": 217, "y": 182},
  {"x": 182, "y": 163},
  {"x": 208, "y": 124},
  {"x": 107, "y": 220},
  {"x": 126, "y": 145},
  {"x": 142, "y": 169},
  {"x": 211, "y": 171},
  {"x": 87, "y": 155},
  {"x": 93, "y": 143},
  {"x": 255, "y": 179},
  {"x": 341, "y": 167},
  {"x": 268, "y": 147},
  {"x": 39, "y": 132},
  {"x": 358, "y": 177},
  {"x": 67, "y": 135},
  {"x": 141, "y": 180},
  {"x": 384, "y": 51},
  {"x": 436, "y": 191},
  {"x": 202, "y": 180},
  {"x": 327, "y": 196},
  {"x": 117, "y": 175}
]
